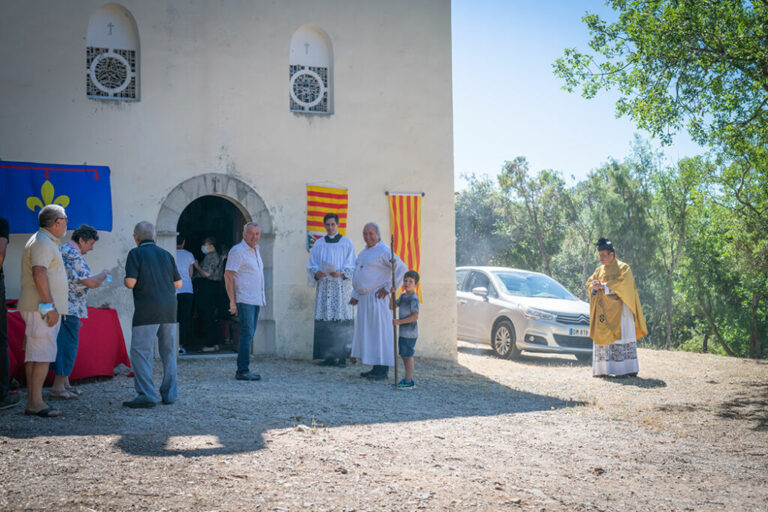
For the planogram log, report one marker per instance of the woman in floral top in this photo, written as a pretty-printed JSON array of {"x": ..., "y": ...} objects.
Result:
[
  {"x": 212, "y": 272},
  {"x": 80, "y": 280}
]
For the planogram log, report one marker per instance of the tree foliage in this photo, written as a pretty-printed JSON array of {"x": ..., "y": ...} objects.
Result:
[
  {"x": 694, "y": 233},
  {"x": 701, "y": 65}
]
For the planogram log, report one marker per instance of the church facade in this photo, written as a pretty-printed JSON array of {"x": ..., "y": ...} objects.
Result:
[{"x": 213, "y": 114}]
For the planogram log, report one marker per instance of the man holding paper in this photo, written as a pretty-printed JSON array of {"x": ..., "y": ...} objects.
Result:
[{"x": 330, "y": 268}]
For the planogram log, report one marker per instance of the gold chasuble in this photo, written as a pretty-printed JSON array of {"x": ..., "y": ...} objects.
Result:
[{"x": 605, "y": 310}]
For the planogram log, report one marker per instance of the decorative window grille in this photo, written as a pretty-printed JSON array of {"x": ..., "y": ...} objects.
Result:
[
  {"x": 308, "y": 88},
  {"x": 110, "y": 73}
]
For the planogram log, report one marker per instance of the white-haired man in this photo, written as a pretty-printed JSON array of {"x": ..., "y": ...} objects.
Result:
[
  {"x": 244, "y": 280},
  {"x": 42, "y": 301},
  {"x": 152, "y": 275},
  {"x": 373, "y": 343}
]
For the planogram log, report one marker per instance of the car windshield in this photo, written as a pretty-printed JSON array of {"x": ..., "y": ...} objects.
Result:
[{"x": 522, "y": 284}]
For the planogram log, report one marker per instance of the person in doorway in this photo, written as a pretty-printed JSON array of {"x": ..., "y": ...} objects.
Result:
[
  {"x": 42, "y": 301},
  {"x": 408, "y": 314},
  {"x": 244, "y": 278},
  {"x": 212, "y": 273},
  {"x": 79, "y": 279},
  {"x": 371, "y": 282},
  {"x": 185, "y": 294},
  {"x": 7, "y": 398},
  {"x": 152, "y": 275},
  {"x": 616, "y": 318},
  {"x": 330, "y": 268}
]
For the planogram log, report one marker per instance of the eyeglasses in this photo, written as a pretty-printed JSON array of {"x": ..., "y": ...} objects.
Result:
[{"x": 65, "y": 219}]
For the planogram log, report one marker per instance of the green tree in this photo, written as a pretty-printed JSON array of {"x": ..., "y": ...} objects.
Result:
[
  {"x": 675, "y": 192},
  {"x": 701, "y": 65},
  {"x": 534, "y": 211},
  {"x": 478, "y": 221}
]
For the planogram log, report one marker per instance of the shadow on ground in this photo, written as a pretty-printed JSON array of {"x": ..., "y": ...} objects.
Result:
[
  {"x": 751, "y": 405},
  {"x": 638, "y": 382},
  {"x": 527, "y": 358},
  {"x": 216, "y": 414}
]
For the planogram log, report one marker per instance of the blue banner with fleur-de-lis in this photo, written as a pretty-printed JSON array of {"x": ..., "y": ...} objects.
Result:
[{"x": 83, "y": 190}]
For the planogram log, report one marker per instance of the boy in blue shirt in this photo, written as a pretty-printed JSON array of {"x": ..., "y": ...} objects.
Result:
[{"x": 408, "y": 313}]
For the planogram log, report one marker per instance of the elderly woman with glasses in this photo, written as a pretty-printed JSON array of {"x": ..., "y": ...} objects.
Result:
[{"x": 80, "y": 280}]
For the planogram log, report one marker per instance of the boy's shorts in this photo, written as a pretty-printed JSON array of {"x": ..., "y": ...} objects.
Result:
[{"x": 405, "y": 346}]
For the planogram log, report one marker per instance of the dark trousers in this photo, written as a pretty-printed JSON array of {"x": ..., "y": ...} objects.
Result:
[
  {"x": 184, "y": 317},
  {"x": 5, "y": 361},
  {"x": 207, "y": 302}
]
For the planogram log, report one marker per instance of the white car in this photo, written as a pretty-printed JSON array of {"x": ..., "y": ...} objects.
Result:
[{"x": 518, "y": 310}]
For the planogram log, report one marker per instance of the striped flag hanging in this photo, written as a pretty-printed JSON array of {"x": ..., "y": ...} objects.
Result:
[
  {"x": 320, "y": 201},
  {"x": 405, "y": 220}
]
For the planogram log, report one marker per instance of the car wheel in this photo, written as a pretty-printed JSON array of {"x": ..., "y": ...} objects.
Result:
[
  {"x": 503, "y": 340},
  {"x": 584, "y": 358}
]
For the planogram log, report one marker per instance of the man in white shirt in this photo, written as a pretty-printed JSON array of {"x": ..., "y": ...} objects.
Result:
[
  {"x": 244, "y": 279},
  {"x": 373, "y": 343},
  {"x": 184, "y": 295}
]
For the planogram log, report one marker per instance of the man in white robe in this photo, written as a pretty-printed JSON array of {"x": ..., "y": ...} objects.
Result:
[
  {"x": 373, "y": 343},
  {"x": 330, "y": 268}
]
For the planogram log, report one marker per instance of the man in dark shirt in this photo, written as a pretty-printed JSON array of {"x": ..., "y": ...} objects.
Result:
[
  {"x": 152, "y": 275},
  {"x": 6, "y": 398}
]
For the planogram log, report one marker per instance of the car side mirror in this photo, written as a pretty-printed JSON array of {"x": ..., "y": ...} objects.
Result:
[{"x": 481, "y": 291}]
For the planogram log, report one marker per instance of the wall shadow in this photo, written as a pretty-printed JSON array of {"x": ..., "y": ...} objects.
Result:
[{"x": 216, "y": 414}]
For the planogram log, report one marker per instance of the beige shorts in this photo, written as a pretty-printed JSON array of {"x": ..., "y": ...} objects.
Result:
[{"x": 39, "y": 339}]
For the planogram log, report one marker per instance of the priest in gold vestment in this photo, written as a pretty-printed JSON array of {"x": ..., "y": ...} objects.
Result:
[{"x": 616, "y": 318}]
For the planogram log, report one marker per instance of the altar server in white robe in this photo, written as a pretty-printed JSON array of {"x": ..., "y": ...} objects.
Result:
[
  {"x": 371, "y": 283},
  {"x": 330, "y": 268}
]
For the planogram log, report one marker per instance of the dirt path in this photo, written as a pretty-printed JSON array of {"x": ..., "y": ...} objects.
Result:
[{"x": 691, "y": 433}]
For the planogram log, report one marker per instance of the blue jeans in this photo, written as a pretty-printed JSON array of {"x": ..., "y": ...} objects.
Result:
[
  {"x": 248, "y": 316},
  {"x": 143, "y": 356},
  {"x": 66, "y": 345}
]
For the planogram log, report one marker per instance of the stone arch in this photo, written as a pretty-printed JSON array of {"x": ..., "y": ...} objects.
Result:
[{"x": 254, "y": 209}]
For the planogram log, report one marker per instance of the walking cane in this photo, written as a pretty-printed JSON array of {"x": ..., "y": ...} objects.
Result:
[{"x": 394, "y": 309}]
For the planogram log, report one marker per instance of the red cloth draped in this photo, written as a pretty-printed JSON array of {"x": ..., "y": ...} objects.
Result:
[{"x": 101, "y": 346}]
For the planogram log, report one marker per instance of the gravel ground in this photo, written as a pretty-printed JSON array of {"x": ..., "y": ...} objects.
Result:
[{"x": 539, "y": 433}]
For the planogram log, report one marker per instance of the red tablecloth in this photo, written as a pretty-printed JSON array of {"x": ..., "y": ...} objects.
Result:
[{"x": 101, "y": 346}]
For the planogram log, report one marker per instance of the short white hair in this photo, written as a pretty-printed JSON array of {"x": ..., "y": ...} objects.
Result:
[
  {"x": 144, "y": 230},
  {"x": 250, "y": 224},
  {"x": 378, "y": 231},
  {"x": 49, "y": 214}
]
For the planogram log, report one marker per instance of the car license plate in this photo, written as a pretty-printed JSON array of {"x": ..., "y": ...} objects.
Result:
[{"x": 579, "y": 331}]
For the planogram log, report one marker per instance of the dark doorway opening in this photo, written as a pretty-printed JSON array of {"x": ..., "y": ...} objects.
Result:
[{"x": 212, "y": 327}]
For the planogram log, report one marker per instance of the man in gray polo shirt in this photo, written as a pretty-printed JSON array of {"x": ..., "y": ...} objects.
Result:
[
  {"x": 152, "y": 275},
  {"x": 42, "y": 301},
  {"x": 244, "y": 279}
]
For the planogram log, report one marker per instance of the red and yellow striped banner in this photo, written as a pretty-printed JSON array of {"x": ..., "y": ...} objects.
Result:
[
  {"x": 322, "y": 200},
  {"x": 405, "y": 220}
]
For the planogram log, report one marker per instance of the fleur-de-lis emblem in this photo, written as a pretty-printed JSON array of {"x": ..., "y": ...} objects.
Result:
[{"x": 47, "y": 194}]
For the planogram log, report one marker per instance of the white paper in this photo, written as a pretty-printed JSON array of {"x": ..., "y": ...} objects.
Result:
[{"x": 328, "y": 268}]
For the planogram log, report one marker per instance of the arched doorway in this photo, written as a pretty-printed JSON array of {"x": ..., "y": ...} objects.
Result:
[
  {"x": 211, "y": 217},
  {"x": 221, "y": 204}
]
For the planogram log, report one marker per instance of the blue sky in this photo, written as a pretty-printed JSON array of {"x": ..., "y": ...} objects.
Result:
[{"x": 508, "y": 103}]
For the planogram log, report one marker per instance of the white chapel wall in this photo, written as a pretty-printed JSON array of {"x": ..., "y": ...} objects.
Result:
[{"x": 214, "y": 99}]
